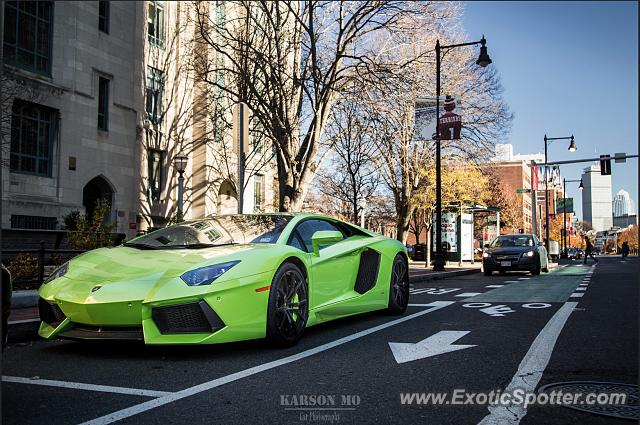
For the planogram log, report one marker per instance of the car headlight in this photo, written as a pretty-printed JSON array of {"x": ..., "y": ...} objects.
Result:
[
  {"x": 486, "y": 254},
  {"x": 206, "y": 275},
  {"x": 60, "y": 271},
  {"x": 529, "y": 253}
]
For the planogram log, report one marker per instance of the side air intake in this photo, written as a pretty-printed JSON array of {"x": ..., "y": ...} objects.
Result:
[{"x": 368, "y": 270}]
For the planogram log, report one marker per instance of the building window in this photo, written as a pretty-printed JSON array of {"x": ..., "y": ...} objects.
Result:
[
  {"x": 258, "y": 193},
  {"x": 155, "y": 160},
  {"x": 103, "y": 104},
  {"x": 155, "y": 23},
  {"x": 103, "y": 16},
  {"x": 32, "y": 135},
  {"x": 27, "y": 35},
  {"x": 33, "y": 222},
  {"x": 154, "y": 94}
]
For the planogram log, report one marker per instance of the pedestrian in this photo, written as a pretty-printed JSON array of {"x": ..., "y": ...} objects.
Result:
[
  {"x": 625, "y": 249},
  {"x": 588, "y": 250}
]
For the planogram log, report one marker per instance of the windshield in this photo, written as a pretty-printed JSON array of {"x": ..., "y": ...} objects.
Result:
[
  {"x": 215, "y": 231},
  {"x": 513, "y": 240}
]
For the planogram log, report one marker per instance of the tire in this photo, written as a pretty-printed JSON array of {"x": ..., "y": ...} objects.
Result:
[
  {"x": 536, "y": 269},
  {"x": 488, "y": 272},
  {"x": 288, "y": 307},
  {"x": 398, "y": 287}
]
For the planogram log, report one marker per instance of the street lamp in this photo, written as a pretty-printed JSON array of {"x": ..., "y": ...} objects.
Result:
[
  {"x": 564, "y": 213},
  {"x": 181, "y": 165},
  {"x": 483, "y": 60},
  {"x": 572, "y": 148}
]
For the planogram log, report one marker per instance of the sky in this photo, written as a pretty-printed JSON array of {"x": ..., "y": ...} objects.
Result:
[{"x": 567, "y": 68}]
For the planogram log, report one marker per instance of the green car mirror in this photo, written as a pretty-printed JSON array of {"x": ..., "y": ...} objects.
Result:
[{"x": 324, "y": 237}]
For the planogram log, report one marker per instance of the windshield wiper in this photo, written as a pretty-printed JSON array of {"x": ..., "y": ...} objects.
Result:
[{"x": 139, "y": 245}]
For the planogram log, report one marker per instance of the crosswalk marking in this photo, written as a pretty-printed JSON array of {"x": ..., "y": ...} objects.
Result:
[
  {"x": 468, "y": 294},
  {"x": 577, "y": 294}
]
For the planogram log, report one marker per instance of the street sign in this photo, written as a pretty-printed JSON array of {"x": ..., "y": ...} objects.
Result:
[
  {"x": 439, "y": 343},
  {"x": 560, "y": 205},
  {"x": 605, "y": 165},
  {"x": 620, "y": 157},
  {"x": 240, "y": 128}
]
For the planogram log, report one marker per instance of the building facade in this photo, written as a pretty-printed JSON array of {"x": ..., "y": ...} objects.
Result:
[
  {"x": 596, "y": 195},
  {"x": 98, "y": 99}
]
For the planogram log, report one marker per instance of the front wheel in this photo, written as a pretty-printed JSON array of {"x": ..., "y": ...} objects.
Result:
[
  {"x": 288, "y": 307},
  {"x": 537, "y": 268},
  {"x": 399, "y": 287}
]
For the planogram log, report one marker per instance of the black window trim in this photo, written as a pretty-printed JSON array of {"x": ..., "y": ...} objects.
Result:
[
  {"x": 295, "y": 232},
  {"x": 104, "y": 18}
]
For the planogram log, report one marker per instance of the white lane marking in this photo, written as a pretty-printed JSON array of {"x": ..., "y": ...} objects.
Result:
[
  {"x": 536, "y": 305},
  {"x": 581, "y": 289},
  {"x": 469, "y": 294},
  {"x": 531, "y": 369},
  {"x": 510, "y": 281},
  {"x": 17, "y": 322},
  {"x": 524, "y": 278},
  {"x": 170, "y": 398},
  {"x": 577, "y": 294},
  {"x": 435, "y": 291},
  {"x": 494, "y": 286},
  {"x": 86, "y": 387},
  {"x": 434, "y": 345}
]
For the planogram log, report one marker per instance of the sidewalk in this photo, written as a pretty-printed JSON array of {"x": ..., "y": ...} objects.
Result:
[{"x": 419, "y": 273}]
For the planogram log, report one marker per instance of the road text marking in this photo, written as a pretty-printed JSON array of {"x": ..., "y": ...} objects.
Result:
[{"x": 439, "y": 343}]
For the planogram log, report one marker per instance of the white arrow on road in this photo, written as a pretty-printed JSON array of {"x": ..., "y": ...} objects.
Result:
[{"x": 439, "y": 343}]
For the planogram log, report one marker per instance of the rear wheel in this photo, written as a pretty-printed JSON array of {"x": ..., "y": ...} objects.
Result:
[
  {"x": 288, "y": 308},
  {"x": 399, "y": 286}
]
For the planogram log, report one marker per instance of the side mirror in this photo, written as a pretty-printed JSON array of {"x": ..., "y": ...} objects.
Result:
[{"x": 324, "y": 237}]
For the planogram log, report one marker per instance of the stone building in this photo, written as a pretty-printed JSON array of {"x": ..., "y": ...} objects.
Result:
[{"x": 98, "y": 98}]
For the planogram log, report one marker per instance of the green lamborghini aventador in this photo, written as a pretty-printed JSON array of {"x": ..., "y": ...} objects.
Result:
[{"x": 226, "y": 278}]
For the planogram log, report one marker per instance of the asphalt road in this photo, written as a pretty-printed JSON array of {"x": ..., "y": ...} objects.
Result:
[{"x": 478, "y": 334}]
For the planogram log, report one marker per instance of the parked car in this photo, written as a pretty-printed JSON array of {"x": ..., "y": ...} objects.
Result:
[
  {"x": 574, "y": 253},
  {"x": 518, "y": 252},
  {"x": 7, "y": 291}
]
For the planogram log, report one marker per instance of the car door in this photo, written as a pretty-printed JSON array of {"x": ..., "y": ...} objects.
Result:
[{"x": 332, "y": 274}]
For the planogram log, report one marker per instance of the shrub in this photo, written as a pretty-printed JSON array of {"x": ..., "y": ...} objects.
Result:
[
  {"x": 93, "y": 232},
  {"x": 24, "y": 267},
  {"x": 71, "y": 220}
]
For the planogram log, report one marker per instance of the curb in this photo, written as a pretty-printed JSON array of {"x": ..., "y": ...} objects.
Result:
[
  {"x": 24, "y": 299},
  {"x": 441, "y": 275}
]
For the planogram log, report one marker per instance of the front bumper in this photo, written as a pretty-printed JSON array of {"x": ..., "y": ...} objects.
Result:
[
  {"x": 209, "y": 315},
  {"x": 516, "y": 263}
]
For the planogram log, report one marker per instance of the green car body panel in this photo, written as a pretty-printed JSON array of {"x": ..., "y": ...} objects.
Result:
[{"x": 119, "y": 287}]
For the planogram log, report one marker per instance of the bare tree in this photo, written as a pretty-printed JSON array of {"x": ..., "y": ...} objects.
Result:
[
  {"x": 350, "y": 174},
  {"x": 402, "y": 155},
  {"x": 294, "y": 60}
]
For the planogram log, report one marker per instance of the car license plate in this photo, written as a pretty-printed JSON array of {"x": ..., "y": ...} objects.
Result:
[{"x": 505, "y": 263}]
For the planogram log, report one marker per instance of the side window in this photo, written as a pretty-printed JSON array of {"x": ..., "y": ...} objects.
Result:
[{"x": 307, "y": 228}]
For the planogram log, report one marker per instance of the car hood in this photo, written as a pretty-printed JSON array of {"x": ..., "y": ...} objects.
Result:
[
  {"x": 510, "y": 250},
  {"x": 127, "y": 263}
]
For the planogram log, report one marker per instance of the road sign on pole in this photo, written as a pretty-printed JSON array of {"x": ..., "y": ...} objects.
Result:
[{"x": 240, "y": 145}]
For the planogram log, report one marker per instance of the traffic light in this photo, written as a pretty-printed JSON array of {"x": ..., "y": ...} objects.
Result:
[{"x": 605, "y": 165}]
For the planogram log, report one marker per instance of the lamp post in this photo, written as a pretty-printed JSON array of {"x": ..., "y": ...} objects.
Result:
[
  {"x": 572, "y": 148},
  {"x": 181, "y": 165},
  {"x": 564, "y": 213},
  {"x": 483, "y": 60}
]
